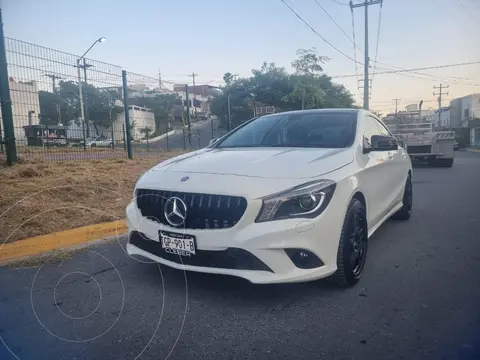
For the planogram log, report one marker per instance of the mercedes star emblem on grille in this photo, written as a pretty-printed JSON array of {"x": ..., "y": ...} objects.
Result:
[{"x": 175, "y": 211}]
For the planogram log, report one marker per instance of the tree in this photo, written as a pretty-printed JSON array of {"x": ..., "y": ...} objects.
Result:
[
  {"x": 308, "y": 87},
  {"x": 228, "y": 78},
  {"x": 53, "y": 109},
  {"x": 307, "y": 69},
  {"x": 161, "y": 105},
  {"x": 146, "y": 131},
  {"x": 63, "y": 106},
  {"x": 133, "y": 125},
  {"x": 308, "y": 62}
]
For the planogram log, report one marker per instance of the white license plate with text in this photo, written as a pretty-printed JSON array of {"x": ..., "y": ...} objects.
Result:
[{"x": 177, "y": 244}]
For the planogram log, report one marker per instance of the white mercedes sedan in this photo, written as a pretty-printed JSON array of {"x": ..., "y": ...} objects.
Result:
[{"x": 287, "y": 197}]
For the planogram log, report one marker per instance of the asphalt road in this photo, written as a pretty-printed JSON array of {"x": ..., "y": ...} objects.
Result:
[
  {"x": 419, "y": 299},
  {"x": 202, "y": 133}
]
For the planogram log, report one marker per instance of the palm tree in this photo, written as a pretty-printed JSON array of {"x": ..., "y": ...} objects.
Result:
[
  {"x": 146, "y": 131},
  {"x": 132, "y": 127}
]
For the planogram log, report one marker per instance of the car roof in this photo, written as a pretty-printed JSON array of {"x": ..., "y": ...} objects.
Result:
[{"x": 319, "y": 111}]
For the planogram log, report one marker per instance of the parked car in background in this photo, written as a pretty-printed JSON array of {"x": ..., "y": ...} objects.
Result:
[
  {"x": 99, "y": 141},
  {"x": 287, "y": 197}
]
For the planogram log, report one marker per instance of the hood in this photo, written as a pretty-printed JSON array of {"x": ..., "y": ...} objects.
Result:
[{"x": 274, "y": 163}]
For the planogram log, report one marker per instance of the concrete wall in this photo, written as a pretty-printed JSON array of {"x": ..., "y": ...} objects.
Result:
[
  {"x": 25, "y": 100},
  {"x": 142, "y": 117}
]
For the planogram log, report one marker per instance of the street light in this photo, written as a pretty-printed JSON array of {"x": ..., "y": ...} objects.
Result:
[{"x": 80, "y": 94}]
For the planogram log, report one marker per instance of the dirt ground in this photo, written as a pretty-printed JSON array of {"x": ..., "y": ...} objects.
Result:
[{"x": 41, "y": 197}]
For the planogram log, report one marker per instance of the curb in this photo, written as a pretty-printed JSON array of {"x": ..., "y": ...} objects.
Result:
[{"x": 60, "y": 240}]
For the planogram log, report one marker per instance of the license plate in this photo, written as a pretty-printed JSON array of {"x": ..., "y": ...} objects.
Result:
[{"x": 177, "y": 244}]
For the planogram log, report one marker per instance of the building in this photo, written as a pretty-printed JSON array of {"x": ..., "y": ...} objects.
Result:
[
  {"x": 140, "y": 118},
  {"x": 199, "y": 97},
  {"x": 25, "y": 107},
  {"x": 465, "y": 113},
  {"x": 412, "y": 107},
  {"x": 442, "y": 121}
]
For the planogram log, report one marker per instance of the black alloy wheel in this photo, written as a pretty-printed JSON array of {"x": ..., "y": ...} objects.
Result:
[
  {"x": 358, "y": 240},
  {"x": 353, "y": 246}
]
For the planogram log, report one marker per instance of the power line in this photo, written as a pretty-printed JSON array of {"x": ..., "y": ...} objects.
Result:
[
  {"x": 317, "y": 33},
  {"x": 453, "y": 18},
  {"x": 468, "y": 12},
  {"x": 415, "y": 69},
  {"x": 333, "y": 20},
  {"x": 354, "y": 44},
  {"x": 341, "y": 52},
  {"x": 378, "y": 41},
  {"x": 339, "y": 3}
]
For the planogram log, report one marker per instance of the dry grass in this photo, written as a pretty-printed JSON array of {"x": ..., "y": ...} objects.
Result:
[{"x": 41, "y": 197}]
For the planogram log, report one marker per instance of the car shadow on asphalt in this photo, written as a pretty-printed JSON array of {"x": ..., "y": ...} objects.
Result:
[{"x": 231, "y": 288}]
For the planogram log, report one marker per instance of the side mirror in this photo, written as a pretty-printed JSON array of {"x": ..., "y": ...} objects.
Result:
[
  {"x": 212, "y": 141},
  {"x": 383, "y": 143}
]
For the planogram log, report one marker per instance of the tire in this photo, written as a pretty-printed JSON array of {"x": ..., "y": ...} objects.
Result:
[
  {"x": 444, "y": 163},
  {"x": 353, "y": 238},
  {"x": 93, "y": 145},
  {"x": 406, "y": 211}
]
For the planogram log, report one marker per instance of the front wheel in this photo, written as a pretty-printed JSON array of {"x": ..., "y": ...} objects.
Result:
[{"x": 352, "y": 249}]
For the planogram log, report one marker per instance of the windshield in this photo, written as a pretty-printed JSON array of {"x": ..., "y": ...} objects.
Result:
[{"x": 322, "y": 130}]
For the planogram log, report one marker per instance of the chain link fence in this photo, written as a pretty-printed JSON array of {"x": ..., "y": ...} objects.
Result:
[{"x": 68, "y": 107}]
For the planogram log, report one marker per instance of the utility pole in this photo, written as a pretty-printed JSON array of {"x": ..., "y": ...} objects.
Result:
[
  {"x": 194, "y": 95},
  {"x": 85, "y": 66},
  {"x": 54, "y": 81},
  {"x": 396, "y": 106},
  {"x": 440, "y": 93},
  {"x": 54, "y": 89},
  {"x": 159, "y": 79},
  {"x": 366, "y": 81},
  {"x": 188, "y": 116}
]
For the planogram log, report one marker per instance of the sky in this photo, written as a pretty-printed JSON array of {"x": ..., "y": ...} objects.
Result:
[{"x": 211, "y": 37}]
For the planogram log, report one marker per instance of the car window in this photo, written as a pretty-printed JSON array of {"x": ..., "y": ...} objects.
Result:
[
  {"x": 383, "y": 129},
  {"x": 371, "y": 128},
  {"x": 322, "y": 129}
]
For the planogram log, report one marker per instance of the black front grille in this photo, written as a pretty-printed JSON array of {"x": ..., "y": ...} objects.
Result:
[
  {"x": 419, "y": 149},
  {"x": 231, "y": 258},
  {"x": 204, "y": 211}
]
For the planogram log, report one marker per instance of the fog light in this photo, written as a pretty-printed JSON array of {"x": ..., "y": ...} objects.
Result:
[{"x": 303, "y": 259}]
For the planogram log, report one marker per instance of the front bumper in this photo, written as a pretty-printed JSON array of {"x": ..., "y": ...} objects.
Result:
[{"x": 258, "y": 252}]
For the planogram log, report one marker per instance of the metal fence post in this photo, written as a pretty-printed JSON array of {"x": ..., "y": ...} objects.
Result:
[
  {"x": 1, "y": 138},
  {"x": 123, "y": 137},
  {"x": 127, "y": 115},
  {"x": 167, "y": 128},
  {"x": 6, "y": 102}
]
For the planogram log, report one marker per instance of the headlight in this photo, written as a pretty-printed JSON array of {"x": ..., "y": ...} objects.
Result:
[{"x": 304, "y": 201}]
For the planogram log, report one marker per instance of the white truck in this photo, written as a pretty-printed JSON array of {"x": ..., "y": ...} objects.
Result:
[{"x": 423, "y": 144}]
